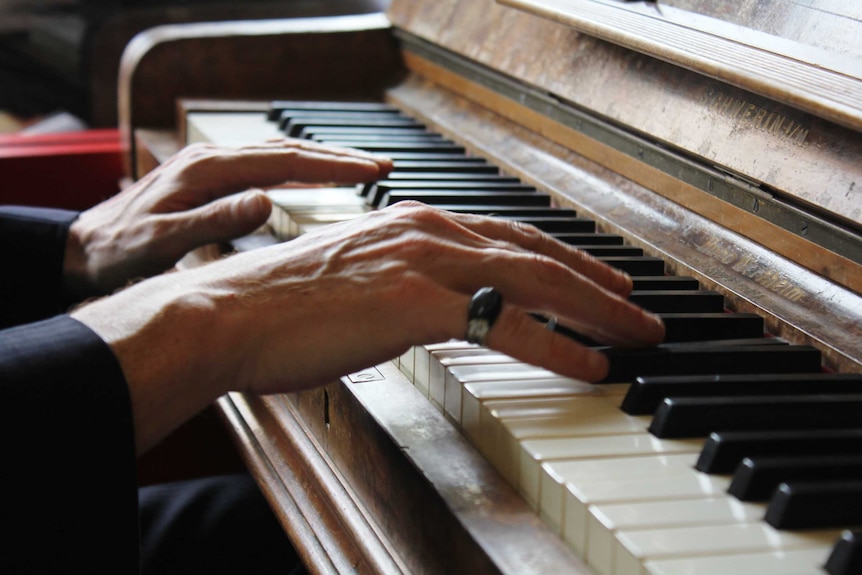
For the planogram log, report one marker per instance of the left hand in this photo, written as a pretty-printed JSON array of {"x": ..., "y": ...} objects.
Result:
[{"x": 193, "y": 200}]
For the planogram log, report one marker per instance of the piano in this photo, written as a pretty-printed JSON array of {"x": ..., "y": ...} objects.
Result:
[{"x": 713, "y": 152}]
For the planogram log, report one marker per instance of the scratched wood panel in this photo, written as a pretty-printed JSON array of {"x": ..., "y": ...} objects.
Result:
[{"x": 812, "y": 161}]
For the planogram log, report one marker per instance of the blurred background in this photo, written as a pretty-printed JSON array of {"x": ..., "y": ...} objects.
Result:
[{"x": 59, "y": 58}]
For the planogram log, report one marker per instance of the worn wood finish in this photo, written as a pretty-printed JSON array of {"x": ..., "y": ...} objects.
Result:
[
  {"x": 818, "y": 81},
  {"x": 797, "y": 303},
  {"x": 342, "y": 57},
  {"x": 369, "y": 477},
  {"x": 788, "y": 244},
  {"x": 790, "y": 151}
]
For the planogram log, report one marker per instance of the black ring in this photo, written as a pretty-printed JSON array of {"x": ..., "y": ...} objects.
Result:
[{"x": 485, "y": 306}]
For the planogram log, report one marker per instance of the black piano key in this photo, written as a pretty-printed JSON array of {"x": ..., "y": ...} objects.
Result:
[
  {"x": 516, "y": 212},
  {"x": 723, "y": 450},
  {"x": 426, "y": 157},
  {"x": 636, "y": 265},
  {"x": 298, "y": 127},
  {"x": 646, "y": 393},
  {"x": 846, "y": 556},
  {"x": 434, "y": 197},
  {"x": 675, "y": 301},
  {"x": 434, "y": 180},
  {"x": 582, "y": 239},
  {"x": 386, "y": 148},
  {"x": 405, "y": 134},
  {"x": 277, "y": 106},
  {"x": 815, "y": 505},
  {"x": 290, "y": 117},
  {"x": 553, "y": 224},
  {"x": 452, "y": 176},
  {"x": 462, "y": 164},
  {"x": 757, "y": 478},
  {"x": 627, "y": 364},
  {"x": 678, "y": 417},
  {"x": 663, "y": 283},
  {"x": 378, "y": 190},
  {"x": 706, "y": 326},
  {"x": 607, "y": 251}
]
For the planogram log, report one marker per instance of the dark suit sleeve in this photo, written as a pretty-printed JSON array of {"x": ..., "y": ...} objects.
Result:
[
  {"x": 34, "y": 242},
  {"x": 68, "y": 492}
]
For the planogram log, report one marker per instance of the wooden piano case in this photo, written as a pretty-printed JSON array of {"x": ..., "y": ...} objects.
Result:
[{"x": 365, "y": 473}]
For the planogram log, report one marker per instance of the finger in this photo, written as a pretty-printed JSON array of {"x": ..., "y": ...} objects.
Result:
[
  {"x": 534, "y": 240},
  {"x": 577, "y": 302},
  {"x": 227, "y": 171},
  {"x": 223, "y": 219},
  {"x": 465, "y": 261},
  {"x": 384, "y": 163},
  {"x": 520, "y": 336}
]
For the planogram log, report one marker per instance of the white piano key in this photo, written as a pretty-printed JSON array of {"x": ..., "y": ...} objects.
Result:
[
  {"x": 406, "y": 363},
  {"x": 556, "y": 475},
  {"x": 452, "y": 393},
  {"x": 474, "y": 394},
  {"x": 635, "y": 548},
  {"x": 465, "y": 373},
  {"x": 503, "y": 424},
  {"x": 317, "y": 199},
  {"x": 579, "y": 498},
  {"x": 784, "y": 562},
  {"x": 422, "y": 361},
  {"x": 534, "y": 452},
  {"x": 605, "y": 521},
  {"x": 592, "y": 416},
  {"x": 443, "y": 362}
]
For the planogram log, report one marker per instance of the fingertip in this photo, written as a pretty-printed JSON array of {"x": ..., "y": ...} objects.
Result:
[
  {"x": 596, "y": 365},
  {"x": 253, "y": 207},
  {"x": 384, "y": 166}
]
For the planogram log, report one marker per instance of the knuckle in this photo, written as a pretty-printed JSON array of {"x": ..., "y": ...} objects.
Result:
[{"x": 547, "y": 270}]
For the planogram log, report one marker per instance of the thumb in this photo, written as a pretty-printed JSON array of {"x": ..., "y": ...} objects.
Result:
[{"x": 230, "y": 217}]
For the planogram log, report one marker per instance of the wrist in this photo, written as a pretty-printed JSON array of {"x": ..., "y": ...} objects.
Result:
[
  {"x": 76, "y": 282},
  {"x": 160, "y": 331}
]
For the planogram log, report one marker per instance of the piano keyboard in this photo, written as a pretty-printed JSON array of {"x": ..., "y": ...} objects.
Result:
[{"x": 672, "y": 464}]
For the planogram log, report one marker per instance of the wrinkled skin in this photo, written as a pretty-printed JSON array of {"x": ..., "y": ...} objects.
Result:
[{"x": 342, "y": 298}]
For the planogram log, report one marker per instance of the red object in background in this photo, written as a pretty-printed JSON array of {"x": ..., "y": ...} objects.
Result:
[{"x": 72, "y": 170}]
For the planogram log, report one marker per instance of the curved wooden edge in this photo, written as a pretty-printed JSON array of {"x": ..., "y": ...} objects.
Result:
[
  {"x": 334, "y": 57},
  {"x": 368, "y": 477},
  {"x": 323, "y": 521}
]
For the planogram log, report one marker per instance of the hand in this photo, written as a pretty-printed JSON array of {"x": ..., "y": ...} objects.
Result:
[
  {"x": 351, "y": 295},
  {"x": 193, "y": 200}
]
